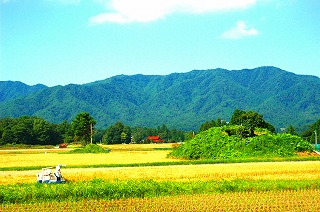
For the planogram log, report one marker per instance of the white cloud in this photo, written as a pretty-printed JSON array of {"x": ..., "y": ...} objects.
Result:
[
  {"x": 127, "y": 11},
  {"x": 239, "y": 31}
]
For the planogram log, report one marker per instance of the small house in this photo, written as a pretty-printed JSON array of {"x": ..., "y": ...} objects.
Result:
[{"x": 155, "y": 139}]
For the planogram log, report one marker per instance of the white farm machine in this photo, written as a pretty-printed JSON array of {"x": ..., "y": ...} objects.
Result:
[{"x": 46, "y": 176}]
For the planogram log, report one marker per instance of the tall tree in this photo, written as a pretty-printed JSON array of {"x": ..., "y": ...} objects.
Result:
[
  {"x": 82, "y": 127},
  {"x": 163, "y": 132},
  {"x": 250, "y": 120},
  {"x": 23, "y": 131},
  {"x": 44, "y": 132},
  {"x": 237, "y": 117},
  {"x": 65, "y": 131},
  {"x": 127, "y": 132},
  {"x": 113, "y": 134},
  {"x": 7, "y": 135}
]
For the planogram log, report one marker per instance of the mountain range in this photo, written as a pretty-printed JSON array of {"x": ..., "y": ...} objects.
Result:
[{"x": 179, "y": 100}]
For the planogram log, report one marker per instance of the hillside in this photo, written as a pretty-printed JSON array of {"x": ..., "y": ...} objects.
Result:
[
  {"x": 179, "y": 100},
  {"x": 12, "y": 90}
]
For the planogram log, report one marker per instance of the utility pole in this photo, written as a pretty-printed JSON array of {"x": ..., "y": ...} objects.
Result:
[
  {"x": 315, "y": 137},
  {"x": 91, "y": 133}
]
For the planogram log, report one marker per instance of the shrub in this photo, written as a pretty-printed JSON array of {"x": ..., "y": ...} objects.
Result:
[
  {"x": 229, "y": 142},
  {"x": 90, "y": 148}
]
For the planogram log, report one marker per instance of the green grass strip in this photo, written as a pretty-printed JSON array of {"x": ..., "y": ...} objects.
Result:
[
  {"x": 101, "y": 189},
  {"x": 185, "y": 162}
]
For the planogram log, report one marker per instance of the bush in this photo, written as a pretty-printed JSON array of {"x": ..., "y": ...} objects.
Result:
[
  {"x": 228, "y": 142},
  {"x": 90, "y": 148}
]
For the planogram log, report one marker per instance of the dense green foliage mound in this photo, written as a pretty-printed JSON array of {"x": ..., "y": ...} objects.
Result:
[
  {"x": 90, "y": 148},
  {"x": 227, "y": 142}
]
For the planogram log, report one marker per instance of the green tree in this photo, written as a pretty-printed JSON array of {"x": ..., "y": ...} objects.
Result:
[
  {"x": 176, "y": 135},
  {"x": 137, "y": 134},
  {"x": 236, "y": 118},
  {"x": 163, "y": 132},
  {"x": 123, "y": 137},
  {"x": 65, "y": 131},
  {"x": 82, "y": 127},
  {"x": 7, "y": 136},
  {"x": 127, "y": 132},
  {"x": 23, "y": 131},
  {"x": 310, "y": 133},
  {"x": 28, "y": 130},
  {"x": 113, "y": 134},
  {"x": 250, "y": 120},
  {"x": 98, "y": 135},
  {"x": 45, "y": 133}
]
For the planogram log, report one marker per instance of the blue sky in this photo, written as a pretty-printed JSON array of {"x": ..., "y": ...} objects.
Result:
[{"x": 57, "y": 42}]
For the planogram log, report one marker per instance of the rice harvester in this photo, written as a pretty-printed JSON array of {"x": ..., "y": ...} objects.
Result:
[{"x": 46, "y": 176}]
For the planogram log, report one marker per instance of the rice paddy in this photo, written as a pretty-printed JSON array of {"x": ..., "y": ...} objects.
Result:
[{"x": 288, "y": 200}]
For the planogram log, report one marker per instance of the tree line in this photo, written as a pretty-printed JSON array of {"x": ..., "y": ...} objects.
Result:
[{"x": 34, "y": 130}]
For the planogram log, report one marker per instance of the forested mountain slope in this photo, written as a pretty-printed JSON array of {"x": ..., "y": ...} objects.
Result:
[
  {"x": 179, "y": 100},
  {"x": 11, "y": 90}
]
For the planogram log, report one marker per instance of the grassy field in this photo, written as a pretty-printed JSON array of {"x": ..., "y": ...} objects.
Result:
[{"x": 250, "y": 174}]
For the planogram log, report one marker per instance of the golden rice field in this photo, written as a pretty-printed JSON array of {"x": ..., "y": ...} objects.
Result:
[
  {"x": 300, "y": 200},
  {"x": 251, "y": 171},
  {"x": 114, "y": 157}
]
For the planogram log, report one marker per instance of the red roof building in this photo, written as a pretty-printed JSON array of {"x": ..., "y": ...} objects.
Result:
[{"x": 155, "y": 139}]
